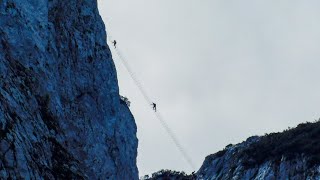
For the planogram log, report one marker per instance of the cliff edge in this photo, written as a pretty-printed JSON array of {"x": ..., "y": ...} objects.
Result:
[{"x": 60, "y": 112}]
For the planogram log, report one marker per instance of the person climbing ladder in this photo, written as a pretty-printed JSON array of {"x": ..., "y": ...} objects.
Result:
[
  {"x": 154, "y": 107},
  {"x": 114, "y": 43}
]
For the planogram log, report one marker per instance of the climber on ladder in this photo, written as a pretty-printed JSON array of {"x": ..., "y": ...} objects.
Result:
[
  {"x": 154, "y": 107},
  {"x": 114, "y": 43}
]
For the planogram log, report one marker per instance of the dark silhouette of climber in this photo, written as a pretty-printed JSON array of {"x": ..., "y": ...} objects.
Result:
[
  {"x": 114, "y": 43},
  {"x": 154, "y": 107}
]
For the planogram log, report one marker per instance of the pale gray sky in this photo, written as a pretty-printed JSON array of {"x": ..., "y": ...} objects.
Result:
[{"x": 219, "y": 70}]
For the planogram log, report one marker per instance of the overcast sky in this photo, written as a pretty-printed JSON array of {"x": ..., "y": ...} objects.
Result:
[{"x": 219, "y": 70}]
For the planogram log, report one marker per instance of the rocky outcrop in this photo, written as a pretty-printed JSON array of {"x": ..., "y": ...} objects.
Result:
[
  {"x": 292, "y": 154},
  {"x": 60, "y": 112}
]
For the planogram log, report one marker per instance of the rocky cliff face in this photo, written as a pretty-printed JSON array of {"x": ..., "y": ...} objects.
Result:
[
  {"x": 60, "y": 112},
  {"x": 292, "y": 154}
]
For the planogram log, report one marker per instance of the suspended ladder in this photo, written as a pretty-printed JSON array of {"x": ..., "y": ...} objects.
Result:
[{"x": 158, "y": 115}]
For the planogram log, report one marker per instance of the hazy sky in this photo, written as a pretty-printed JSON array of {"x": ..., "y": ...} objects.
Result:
[{"x": 219, "y": 70}]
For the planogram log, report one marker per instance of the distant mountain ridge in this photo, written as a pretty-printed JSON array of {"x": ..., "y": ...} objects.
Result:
[{"x": 292, "y": 154}]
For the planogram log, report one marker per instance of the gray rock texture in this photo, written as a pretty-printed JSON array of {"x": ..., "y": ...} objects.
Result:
[
  {"x": 293, "y": 154},
  {"x": 60, "y": 112}
]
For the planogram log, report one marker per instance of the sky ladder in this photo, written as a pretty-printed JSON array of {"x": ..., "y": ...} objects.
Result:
[{"x": 157, "y": 113}]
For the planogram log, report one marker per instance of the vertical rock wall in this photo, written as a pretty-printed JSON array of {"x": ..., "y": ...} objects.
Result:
[{"x": 60, "y": 112}]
